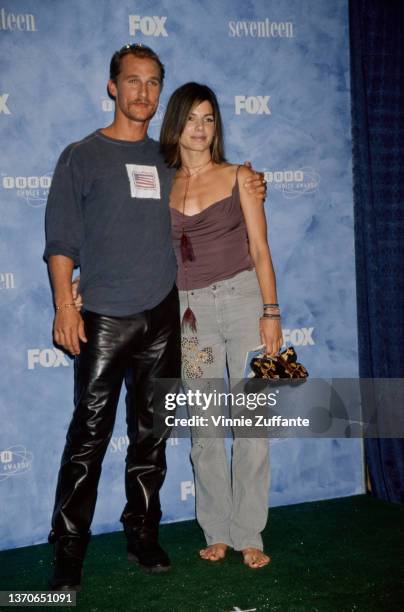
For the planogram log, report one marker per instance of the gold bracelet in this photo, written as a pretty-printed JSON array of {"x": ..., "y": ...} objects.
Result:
[{"x": 64, "y": 306}]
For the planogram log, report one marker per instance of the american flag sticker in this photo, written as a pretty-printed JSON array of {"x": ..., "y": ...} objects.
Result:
[{"x": 144, "y": 181}]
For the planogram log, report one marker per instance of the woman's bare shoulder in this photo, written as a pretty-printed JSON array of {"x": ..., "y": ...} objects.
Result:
[{"x": 230, "y": 171}]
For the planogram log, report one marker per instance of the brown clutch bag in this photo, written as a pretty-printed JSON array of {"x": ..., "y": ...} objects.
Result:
[{"x": 284, "y": 365}]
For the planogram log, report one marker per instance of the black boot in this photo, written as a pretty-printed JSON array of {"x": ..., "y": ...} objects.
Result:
[
  {"x": 69, "y": 552},
  {"x": 143, "y": 548}
]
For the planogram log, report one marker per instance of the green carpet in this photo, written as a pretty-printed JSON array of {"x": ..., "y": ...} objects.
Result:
[{"x": 329, "y": 556}]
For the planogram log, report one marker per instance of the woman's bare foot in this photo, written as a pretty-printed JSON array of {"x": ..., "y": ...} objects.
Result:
[
  {"x": 214, "y": 552},
  {"x": 255, "y": 558}
]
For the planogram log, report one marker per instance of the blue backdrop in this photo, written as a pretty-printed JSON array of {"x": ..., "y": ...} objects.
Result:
[{"x": 280, "y": 70}]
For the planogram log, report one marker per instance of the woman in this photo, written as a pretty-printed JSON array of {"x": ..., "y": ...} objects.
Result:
[{"x": 228, "y": 304}]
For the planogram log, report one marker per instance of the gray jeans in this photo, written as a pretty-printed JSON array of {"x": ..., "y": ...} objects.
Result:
[{"x": 231, "y": 505}]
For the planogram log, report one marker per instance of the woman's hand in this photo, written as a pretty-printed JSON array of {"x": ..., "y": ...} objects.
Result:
[{"x": 271, "y": 335}]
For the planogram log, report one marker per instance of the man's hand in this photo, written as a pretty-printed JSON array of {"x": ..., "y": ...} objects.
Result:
[
  {"x": 256, "y": 185},
  {"x": 68, "y": 326},
  {"x": 77, "y": 299},
  {"x": 68, "y": 330}
]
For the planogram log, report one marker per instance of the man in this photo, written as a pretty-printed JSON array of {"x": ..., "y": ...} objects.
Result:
[{"x": 108, "y": 213}]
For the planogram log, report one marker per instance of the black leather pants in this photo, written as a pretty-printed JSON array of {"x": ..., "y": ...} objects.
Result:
[{"x": 136, "y": 349}]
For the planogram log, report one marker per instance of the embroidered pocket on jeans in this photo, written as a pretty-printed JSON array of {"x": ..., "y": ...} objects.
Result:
[{"x": 193, "y": 357}]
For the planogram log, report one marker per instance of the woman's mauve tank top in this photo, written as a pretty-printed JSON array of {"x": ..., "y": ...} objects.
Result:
[{"x": 218, "y": 236}]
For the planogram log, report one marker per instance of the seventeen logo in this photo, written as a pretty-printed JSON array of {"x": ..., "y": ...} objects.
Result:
[
  {"x": 148, "y": 26},
  {"x": 261, "y": 29},
  {"x": 253, "y": 105},
  {"x": 21, "y": 22}
]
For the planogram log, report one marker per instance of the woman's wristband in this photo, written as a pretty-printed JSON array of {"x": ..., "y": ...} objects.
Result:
[{"x": 271, "y": 311}]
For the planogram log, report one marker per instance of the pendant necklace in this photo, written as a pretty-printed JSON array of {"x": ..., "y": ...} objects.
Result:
[{"x": 187, "y": 252}]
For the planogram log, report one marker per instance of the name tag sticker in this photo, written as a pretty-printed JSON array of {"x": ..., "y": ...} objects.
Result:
[{"x": 144, "y": 181}]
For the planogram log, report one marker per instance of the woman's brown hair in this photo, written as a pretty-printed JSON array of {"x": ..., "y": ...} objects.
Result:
[{"x": 179, "y": 106}]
